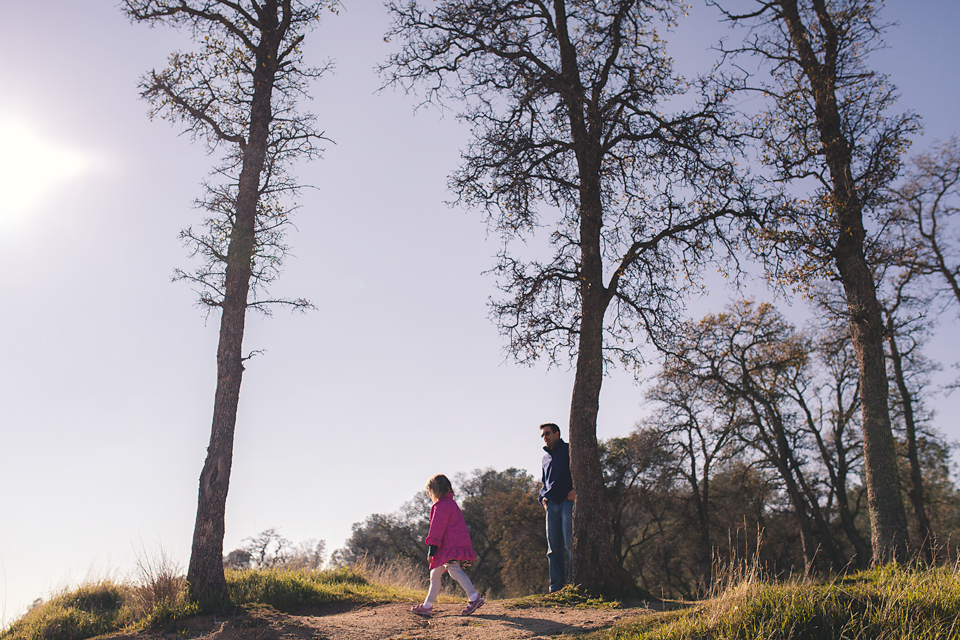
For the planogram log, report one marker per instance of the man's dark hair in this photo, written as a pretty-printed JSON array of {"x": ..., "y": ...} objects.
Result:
[{"x": 553, "y": 428}]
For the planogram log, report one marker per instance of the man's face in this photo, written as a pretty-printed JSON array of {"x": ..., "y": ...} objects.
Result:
[{"x": 549, "y": 437}]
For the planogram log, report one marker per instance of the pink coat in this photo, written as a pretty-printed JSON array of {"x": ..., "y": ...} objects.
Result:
[{"x": 448, "y": 530}]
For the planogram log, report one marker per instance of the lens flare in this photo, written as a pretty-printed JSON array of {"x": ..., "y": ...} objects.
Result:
[{"x": 31, "y": 168}]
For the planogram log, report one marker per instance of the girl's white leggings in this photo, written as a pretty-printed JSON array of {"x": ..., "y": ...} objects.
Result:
[{"x": 457, "y": 573}]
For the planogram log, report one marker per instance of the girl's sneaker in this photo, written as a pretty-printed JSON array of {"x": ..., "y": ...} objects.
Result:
[
  {"x": 426, "y": 612},
  {"x": 472, "y": 606}
]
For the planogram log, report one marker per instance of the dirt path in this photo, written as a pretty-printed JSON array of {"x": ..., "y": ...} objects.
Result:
[{"x": 493, "y": 621}]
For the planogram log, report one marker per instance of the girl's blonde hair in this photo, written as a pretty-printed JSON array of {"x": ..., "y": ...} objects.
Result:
[{"x": 438, "y": 486}]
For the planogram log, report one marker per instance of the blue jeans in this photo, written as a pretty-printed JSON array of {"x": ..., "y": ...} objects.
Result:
[{"x": 559, "y": 535}]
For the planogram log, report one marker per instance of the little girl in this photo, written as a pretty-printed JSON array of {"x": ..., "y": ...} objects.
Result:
[{"x": 449, "y": 546}]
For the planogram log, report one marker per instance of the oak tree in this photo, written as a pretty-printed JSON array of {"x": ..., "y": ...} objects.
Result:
[
  {"x": 571, "y": 133},
  {"x": 829, "y": 125},
  {"x": 238, "y": 91},
  {"x": 638, "y": 471}
]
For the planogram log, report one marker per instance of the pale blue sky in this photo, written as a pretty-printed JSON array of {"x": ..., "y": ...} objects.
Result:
[{"x": 107, "y": 369}]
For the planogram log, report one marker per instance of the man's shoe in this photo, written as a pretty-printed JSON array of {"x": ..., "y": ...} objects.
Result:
[
  {"x": 473, "y": 606},
  {"x": 421, "y": 610}
]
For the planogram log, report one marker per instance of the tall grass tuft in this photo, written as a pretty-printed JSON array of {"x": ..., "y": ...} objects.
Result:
[{"x": 159, "y": 595}]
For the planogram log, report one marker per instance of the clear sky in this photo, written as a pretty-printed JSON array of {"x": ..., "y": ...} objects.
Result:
[{"x": 107, "y": 369}]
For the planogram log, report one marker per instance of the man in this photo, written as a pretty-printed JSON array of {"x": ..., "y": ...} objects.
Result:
[{"x": 557, "y": 496}]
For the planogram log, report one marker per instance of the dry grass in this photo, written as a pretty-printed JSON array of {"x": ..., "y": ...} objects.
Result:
[
  {"x": 407, "y": 575},
  {"x": 159, "y": 590},
  {"x": 888, "y": 603}
]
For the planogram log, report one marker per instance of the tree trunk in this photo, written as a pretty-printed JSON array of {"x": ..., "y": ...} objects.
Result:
[
  {"x": 781, "y": 459},
  {"x": 807, "y": 542},
  {"x": 594, "y": 565},
  {"x": 819, "y": 519},
  {"x": 924, "y": 531},
  {"x": 887, "y": 516},
  {"x": 860, "y": 546},
  {"x": 884, "y": 499},
  {"x": 205, "y": 573},
  {"x": 594, "y": 560},
  {"x": 701, "y": 499},
  {"x": 592, "y": 546}
]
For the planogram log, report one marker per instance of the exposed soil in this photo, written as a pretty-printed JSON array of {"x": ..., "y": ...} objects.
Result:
[{"x": 493, "y": 621}]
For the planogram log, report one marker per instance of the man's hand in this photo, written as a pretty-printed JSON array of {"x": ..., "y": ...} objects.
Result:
[
  {"x": 544, "y": 503},
  {"x": 572, "y": 495}
]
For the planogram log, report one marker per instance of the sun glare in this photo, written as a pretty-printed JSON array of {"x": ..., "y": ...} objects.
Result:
[{"x": 31, "y": 168}]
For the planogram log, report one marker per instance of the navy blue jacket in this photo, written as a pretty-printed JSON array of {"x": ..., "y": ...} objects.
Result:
[{"x": 557, "y": 482}]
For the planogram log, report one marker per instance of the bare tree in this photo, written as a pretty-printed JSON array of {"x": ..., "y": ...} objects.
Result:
[
  {"x": 270, "y": 550},
  {"x": 907, "y": 330},
  {"x": 926, "y": 242},
  {"x": 829, "y": 124},
  {"x": 699, "y": 427},
  {"x": 566, "y": 102},
  {"x": 831, "y": 413},
  {"x": 927, "y": 212},
  {"x": 238, "y": 91},
  {"x": 749, "y": 360}
]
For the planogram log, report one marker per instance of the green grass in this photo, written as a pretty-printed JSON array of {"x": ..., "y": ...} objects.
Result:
[
  {"x": 110, "y": 607},
  {"x": 889, "y": 603},
  {"x": 290, "y": 590}
]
